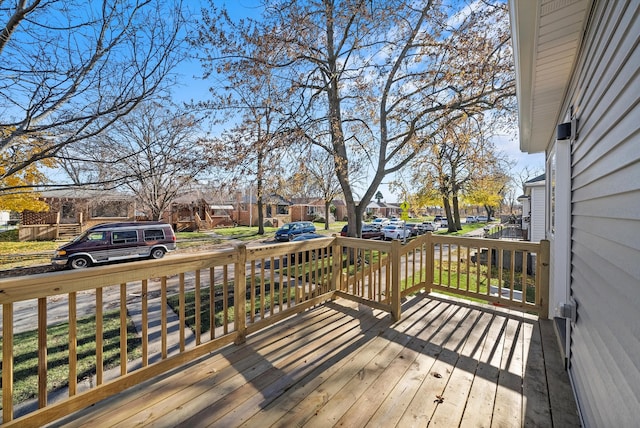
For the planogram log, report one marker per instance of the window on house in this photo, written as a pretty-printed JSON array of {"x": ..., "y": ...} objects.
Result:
[
  {"x": 110, "y": 209},
  {"x": 68, "y": 210}
]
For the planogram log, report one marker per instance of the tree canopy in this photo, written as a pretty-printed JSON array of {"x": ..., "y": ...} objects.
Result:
[
  {"x": 70, "y": 69},
  {"x": 377, "y": 79}
]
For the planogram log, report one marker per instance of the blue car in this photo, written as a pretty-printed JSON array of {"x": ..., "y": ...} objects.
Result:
[{"x": 290, "y": 230}]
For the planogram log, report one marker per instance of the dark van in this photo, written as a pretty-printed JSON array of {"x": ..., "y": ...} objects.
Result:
[{"x": 116, "y": 241}]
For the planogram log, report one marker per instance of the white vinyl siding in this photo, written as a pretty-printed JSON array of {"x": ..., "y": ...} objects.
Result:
[
  {"x": 537, "y": 213},
  {"x": 605, "y": 213}
]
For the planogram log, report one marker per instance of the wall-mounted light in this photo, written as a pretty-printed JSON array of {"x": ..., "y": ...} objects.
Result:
[{"x": 564, "y": 131}]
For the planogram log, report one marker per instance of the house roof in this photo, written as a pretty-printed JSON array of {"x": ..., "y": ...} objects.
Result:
[
  {"x": 546, "y": 37},
  {"x": 268, "y": 199},
  {"x": 537, "y": 179},
  {"x": 76, "y": 193}
]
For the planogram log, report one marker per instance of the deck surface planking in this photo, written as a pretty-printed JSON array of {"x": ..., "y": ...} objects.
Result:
[{"x": 447, "y": 362}]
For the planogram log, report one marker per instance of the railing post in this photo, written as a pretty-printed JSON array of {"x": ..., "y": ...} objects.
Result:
[
  {"x": 7, "y": 362},
  {"x": 430, "y": 256},
  {"x": 336, "y": 263},
  {"x": 240, "y": 295},
  {"x": 395, "y": 280},
  {"x": 543, "y": 264}
]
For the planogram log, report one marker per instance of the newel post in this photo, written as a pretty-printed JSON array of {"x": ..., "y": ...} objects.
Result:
[
  {"x": 395, "y": 280},
  {"x": 430, "y": 261},
  {"x": 240, "y": 295},
  {"x": 336, "y": 265},
  {"x": 544, "y": 266},
  {"x": 7, "y": 362}
]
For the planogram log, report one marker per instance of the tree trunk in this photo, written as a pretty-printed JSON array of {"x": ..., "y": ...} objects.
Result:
[
  {"x": 259, "y": 186},
  {"x": 456, "y": 213},
  {"x": 447, "y": 209},
  {"x": 327, "y": 205},
  {"x": 359, "y": 212},
  {"x": 489, "y": 211}
]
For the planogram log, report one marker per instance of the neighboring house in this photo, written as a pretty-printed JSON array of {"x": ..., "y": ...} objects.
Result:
[
  {"x": 374, "y": 209},
  {"x": 72, "y": 211},
  {"x": 306, "y": 210},
  {"x": 533, "y": 209},
  {"x": 5, "y": 216},
  {"x": 275, "y": 210},
  {"x": 309, "y": 210},
  {"x": 390, "y": 209},
  {"x": 382, "y": 209},
  {"x": 199, "y": 210},
  {"x": 341, "y": 209},
  {"x": 578, "y": 74}
]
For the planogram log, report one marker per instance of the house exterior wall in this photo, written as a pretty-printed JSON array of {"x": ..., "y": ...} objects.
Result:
[
  {"x": 526, "y": 219},
  {"x": 4, "y": 218},
  {"x": 298, "y": 212},
  {"x": 341, "y": 212},
  {"x": 604, "y": 358},
  {"x": 536, "y": 227}
]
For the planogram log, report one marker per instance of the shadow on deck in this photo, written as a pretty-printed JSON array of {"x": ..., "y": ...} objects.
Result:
[{"x": 447, "y": 362}]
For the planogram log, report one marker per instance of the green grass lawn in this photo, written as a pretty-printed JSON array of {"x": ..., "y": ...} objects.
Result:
[{"x": 466, "y": 228}]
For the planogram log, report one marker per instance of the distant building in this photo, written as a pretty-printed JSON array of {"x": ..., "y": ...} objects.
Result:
[
  {"x": 71, "y": 211},
  {"x": 533, "y": 209},
  {"x": 5, "y": 216}
]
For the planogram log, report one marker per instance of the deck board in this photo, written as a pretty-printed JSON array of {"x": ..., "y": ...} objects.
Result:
[{"x": 445, "y": 363}]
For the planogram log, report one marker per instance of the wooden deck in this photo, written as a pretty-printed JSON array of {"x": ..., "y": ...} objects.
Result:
[{"x": 446, "y": 363}]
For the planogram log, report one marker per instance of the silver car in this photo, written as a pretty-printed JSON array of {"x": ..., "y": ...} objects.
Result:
[
  {"x": 427, "y": 226},
  {"x": 395, "y": 231}
]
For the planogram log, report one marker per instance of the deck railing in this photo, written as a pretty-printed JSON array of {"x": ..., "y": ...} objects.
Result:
[{"x": 219, "y": 297}]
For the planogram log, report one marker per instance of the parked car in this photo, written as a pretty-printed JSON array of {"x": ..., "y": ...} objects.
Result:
[
  {"x": 290, "y": 230},
  {"x": 412, "y": 228},
  {"x": 380, "y": 222},
  {"x": 427, "y": 226},
  {"x": 307, "y": 255},
  {"x": 437, "y": 219},
  {"x": 116, "y": 241},
  {"x": 471, "y": 219},
  {"x": 368, "y": 232},
  {"x": 395, "y": 231},
  {"x": 482, "y": 219},
  {"x": 444, "y": 222},
  {"x": 396, "y": 220}
]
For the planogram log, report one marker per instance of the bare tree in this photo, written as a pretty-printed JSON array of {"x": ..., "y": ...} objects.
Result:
[
  {"x": 71, "y": 69},
  {"x": 380, "y": 76},
  {"x": 322, "y": 174},
  {"x": 249, "y": 102},
  {"x": 156, "y": 152}
]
